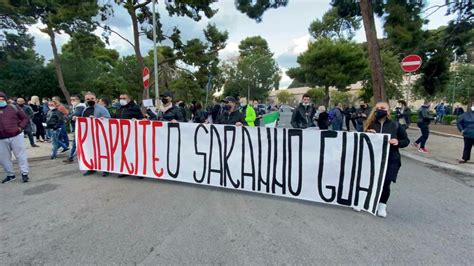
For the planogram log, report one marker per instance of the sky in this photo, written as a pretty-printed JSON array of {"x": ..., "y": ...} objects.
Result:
[{"x": 285, "y": 29}]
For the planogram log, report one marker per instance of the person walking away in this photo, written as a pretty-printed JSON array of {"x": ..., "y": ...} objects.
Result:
[
  {"x": 128, "y": 109},
  {"x": 440, "y": 113},
  {"x": 63, "y": 133},
  {"x": 361, "y": 115},
  {"x": 322, "y": 118},
  {"x": 30, "y": 114},
  {"x": 424, "y": 120},
  {"x": 248, "y": 112},
  {"x": 403, "y": 114},
  {"x": 12, "y": 123},
  {"x": 458, "y": 111},
  {"x": 466, "y": 126},
  {"x": 379, "y": 122},
  {"x": 93, "y": 109},
  {"x": 45, "y": 107},
  {"x": 231, "y": 115},
  {"x": 55, "y": 122},
  {"x": 75, "y": 112},
  {"x": 349, "y": 116},
  {"x": 199, "y": 114},
  {"x": 338, "y": 117},
  {"x": 303, "y": 115},
  {"x": 38, "y": 119}
]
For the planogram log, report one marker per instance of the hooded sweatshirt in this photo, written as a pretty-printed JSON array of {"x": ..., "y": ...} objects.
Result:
[{"x": 12, "y": 118}]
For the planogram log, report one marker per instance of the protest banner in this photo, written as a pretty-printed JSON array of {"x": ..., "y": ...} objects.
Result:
[{"x": 333, "y": 167}]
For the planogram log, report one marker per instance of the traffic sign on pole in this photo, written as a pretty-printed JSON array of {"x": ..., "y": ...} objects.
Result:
[
  {"x": 146, "y": 77},
  {"x": 411, "y": 63}
]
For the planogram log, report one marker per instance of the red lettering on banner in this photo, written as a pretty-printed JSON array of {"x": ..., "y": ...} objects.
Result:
[
  {"x": 155, "y": 159},
  {"x": 135, "y": 125},
  {"x": 113, "y": 144},
  {"x": 100, "y": 156},
  {"x": 144, "y": 124},
  {"x": 124, "y": 143},
  {"x": 81, "y": 138},
  {"x": 94, "y": 145}
]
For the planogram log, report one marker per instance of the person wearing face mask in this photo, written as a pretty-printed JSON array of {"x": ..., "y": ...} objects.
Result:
[
  {"x": 424, "y": 120},
  {"x": 29, "y": 112},
  {"x": 466, "y": 126},
  {"x": 248, "y": 111},
  {"x": 77, "y": 107},
  {"x": 38, "y": 118},
  {"x": 128, "y": 109},
  {"x": 12, "y": 123},
  {"x": 168, "y": 111},
  {"x": 63, "y": 133},
  {"x": 55, "y": 121},
  {"x": 379, "y": 122},
  {"x": 303, "y": 115},
  {"x": 403, "y": 114},
  {"x": 231, "y": 115},
  {"x": 94, "y": 110},
  {"x": 361, "y": 116},
  {"x": 259, "y": 111}
]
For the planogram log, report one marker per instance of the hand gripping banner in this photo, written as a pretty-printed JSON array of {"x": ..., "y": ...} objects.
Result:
[{"x": 334, "y": 167}]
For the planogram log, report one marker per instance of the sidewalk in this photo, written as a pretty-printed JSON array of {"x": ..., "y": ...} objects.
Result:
[
  {"x": 444, "y": 152},
  {"x": 43, "y": 152}
]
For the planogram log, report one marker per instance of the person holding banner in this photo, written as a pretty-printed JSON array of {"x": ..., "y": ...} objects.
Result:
[
  {"x": 128, "y": 109},
  {"x": 168, "y": 111},
  {"x": 379, "y": 122},
  {"x": 303, "y": 115},
  {"x": 231, "y": 116},
  {"x": 94, "y": 110}
]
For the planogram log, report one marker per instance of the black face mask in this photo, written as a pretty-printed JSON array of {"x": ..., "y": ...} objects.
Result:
[
  {"x": 227, "y": 107},
  {"x": 165, "y": 101},
  {"x": 379, "y": 114},
  {"x": 91, "y": 103},
  {"x": 21, "y": 105},
  {"x": 362, "y": 106}
]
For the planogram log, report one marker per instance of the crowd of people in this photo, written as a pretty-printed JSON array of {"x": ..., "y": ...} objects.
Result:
[{"x": 49, "y": 121}]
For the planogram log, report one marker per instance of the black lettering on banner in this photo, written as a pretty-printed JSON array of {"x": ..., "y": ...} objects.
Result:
[
  {"x": 382, "y": 171},
  {"x": 324, "y": 135},
  {"x": 295, "y": 133},
  {"x": 342, "y": 175},
  {"x": 204, "y": 165},
  {"x": 275, "y": 182},
  {"x": 175, "y": 174},
  {"x": 212, "y": 170},
  {"x": 269, "y": 154},
  {"x": 363, "y": 137},
  {"x": 245, "y": 133},
  {"x": 353, "y": 172},
  {"x": 227, "y": 156}
]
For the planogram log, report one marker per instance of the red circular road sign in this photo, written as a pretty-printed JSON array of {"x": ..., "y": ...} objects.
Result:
[
  {"x": 146, "y": 77},
  {"x": 411, "y": 63}
]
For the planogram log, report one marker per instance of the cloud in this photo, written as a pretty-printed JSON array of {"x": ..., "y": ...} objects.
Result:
[
  {"x": 285, "y": 80},
  {"x": 231, "y": 50},
  {"x": 298, "y": 45}
]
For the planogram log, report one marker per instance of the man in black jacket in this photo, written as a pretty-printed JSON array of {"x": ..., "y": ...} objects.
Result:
[
  {"x": 303, "y": 115},
  {"x": 424, "y": 120},
  {"x": 231, "y": 116},
  {"x": 55, "y": 121},
  {"x": 361, "y": 115},
  {"x": 129, "y": 109},
  {"x": 168, "y": 111}
]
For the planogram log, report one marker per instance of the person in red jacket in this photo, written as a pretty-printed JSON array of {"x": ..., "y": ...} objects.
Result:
[{"x": 12, "y": 123}]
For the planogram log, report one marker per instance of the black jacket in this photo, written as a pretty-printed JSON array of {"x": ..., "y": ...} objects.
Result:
[
  {"x": 359, "y": 118},
  {"x": 424, "y": 116},
  {"x": 129, "y": 111},
  {"x": 55, "y": 119},
  {"x": 404, "y": 115},
  {"x": 398, "y": 132},
  {"x": 303, "y": 116},
  {"x": 174, "y": 113},
  {"x": 233, "y": 118},
  {"x": 323, "y": 120},
  {"x": 199, "y": 116}
]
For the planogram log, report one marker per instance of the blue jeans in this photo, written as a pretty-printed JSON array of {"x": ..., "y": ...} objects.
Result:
[
  {"x": 63, "y": 136},
  {"x": 49, "y": 133},
  {"x": 57, "y": 143},
  {"x": 425, "y": 133},
  {"x": 72, "y": 154}
]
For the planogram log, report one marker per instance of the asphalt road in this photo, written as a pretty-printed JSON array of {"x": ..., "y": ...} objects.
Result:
[{"x": 61, "y": 217}]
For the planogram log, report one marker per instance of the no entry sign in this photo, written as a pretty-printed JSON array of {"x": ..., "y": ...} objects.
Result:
[
  {"x": 146, "y": 77},
  {"x": 411, "y": 63}
]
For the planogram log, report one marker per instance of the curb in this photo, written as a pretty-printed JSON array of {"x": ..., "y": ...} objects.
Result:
[
  {"x": 441, "y": 134},
  {"x": 436, "y": 163}
]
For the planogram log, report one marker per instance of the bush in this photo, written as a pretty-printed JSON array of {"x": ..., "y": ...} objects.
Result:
[{"x": 448, "y": 119}]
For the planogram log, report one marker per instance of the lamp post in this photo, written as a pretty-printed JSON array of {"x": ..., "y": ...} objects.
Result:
[
  {"x": 255, "y": 61},
  {"x": 155, "y": 53}
]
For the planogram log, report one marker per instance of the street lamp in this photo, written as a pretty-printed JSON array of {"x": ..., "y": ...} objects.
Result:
[
  {"x": 155, "y": 53},
  {"x": 256, "y": 60}
]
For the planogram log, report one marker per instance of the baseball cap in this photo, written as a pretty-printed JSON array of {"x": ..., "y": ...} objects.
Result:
[{"x": 230, "y": 99}]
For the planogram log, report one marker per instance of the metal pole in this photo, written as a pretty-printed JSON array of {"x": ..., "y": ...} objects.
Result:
[
  {"x": 155, "y": 53},
  {"x": 409, "y": 87},
  {"x": 455, "y": 72}
]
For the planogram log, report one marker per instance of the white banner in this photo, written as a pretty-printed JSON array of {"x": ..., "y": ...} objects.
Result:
[{"x": 334, "y": 167}]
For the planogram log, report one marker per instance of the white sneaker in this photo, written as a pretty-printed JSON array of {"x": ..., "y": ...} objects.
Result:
[
  {"x": 382, "y": 210},
  {"x": 357, "y": 208}
]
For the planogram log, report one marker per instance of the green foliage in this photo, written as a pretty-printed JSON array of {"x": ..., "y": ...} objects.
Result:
[
  {"x": 449, "y": 119},
  {"x": 435, "y": 75},
  {"x": 186, "y": 88},
  {"x": 461, "y": 85},
  {"x": 284, "y": 97},
  {"x": 317, "y": 95},
  {"x": 340, "y": 97},
  {"x": 333, "y": 26},
  {"x": 255, "y": 9}
]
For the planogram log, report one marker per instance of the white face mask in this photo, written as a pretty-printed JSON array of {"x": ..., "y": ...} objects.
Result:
[
  {"x": 51, "y": 107},
  {"x": 472, "y": 108},
  {"x": 123, "y": 102}
]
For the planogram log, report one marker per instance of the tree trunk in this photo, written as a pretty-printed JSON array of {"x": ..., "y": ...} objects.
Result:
[
  {"x": 375, "y": 61},
  {"x": 136, "y": 41},
  {"x": 326, "y": 97},
  {"x": 57, "y": 64}
]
